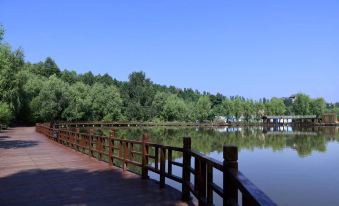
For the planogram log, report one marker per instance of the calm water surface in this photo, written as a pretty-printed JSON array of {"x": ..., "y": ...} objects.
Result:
[{"x": 292, "y": 166}]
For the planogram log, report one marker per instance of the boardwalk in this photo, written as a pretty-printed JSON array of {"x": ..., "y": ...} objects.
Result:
[{"x": 37, "y": 171}]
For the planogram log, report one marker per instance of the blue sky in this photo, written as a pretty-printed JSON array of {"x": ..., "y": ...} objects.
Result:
[{"x": 249, "y": 48}]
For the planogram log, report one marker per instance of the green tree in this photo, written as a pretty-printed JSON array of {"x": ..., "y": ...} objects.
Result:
[
  {"x": 259, "y": 108},
  {"x": 79, "y": 103},
  {"x": 301, "y": 105},
  {"x": 70, "y": 77},
  {"x": 203, "y": 108},
  {"x": 105, "y": 79},
  {"x": 87, "y": 78},
  {"x": 224, "y": 109},
  {"x": 51, "y": 68},
  {"x": 228, "y": 107},
  {"x": 175, "y": 109},
  {"x": 158, "y": 104},
  {"x": 216, "y": 99},
  {"x": 218, "y": 110},
  {"x": 5, "y": 113},
  {"x": 317, "y": 106},
  {"x": 33, "y": 84},
  {"x": 2, "y": 31},
  {"x": 138, "y": 94},
  {"x": 276, "y": 106},
  {"x": 188, "y": 95},
  {"x": 46, "y": 68},
  {"x": 238, "y": 108},
  {"x": 31, "y": 88},
  {"x": 51, "y": 100},
  {"x": 190, "y": 107},
  {"x": 11, "y": 84},
  {"x": 248, "y": 108},
  {"x": 106, "y": 102}
]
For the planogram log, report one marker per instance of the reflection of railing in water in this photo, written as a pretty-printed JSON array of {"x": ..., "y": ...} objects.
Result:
[
  {"x": 291, "y": 133},
  {"x": 113, "y": 149},
  {"x": 284, "y": 129}
]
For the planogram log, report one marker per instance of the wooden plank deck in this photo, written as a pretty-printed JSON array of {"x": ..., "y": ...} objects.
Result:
[{"x": 37, "y": 171}]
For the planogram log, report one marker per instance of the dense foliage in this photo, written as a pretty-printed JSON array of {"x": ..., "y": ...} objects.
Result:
[{"x": 33, "y": 92}]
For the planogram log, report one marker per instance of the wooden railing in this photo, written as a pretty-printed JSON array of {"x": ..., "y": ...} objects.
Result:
[
  {"x": 115, "y": 150},
  {"x": 2, "y": 127}
]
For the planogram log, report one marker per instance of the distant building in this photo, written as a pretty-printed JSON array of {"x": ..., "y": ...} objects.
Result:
[
  {"x": 231, "y": 119},
  {"x": 329, "y": 118},
  {"x": 286, "y": 119},
  {"x": 220, "y": 119},
  {"x": 292, "y": 98}
]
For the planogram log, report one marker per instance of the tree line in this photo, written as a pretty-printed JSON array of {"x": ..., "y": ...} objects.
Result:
[{"x": 38, "y": 92}]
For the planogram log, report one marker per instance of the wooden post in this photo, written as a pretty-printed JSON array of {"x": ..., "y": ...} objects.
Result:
[
  {"x": 202, "y": 182},
  {"x": 68, "y": 137},
  {"x": 50, "y": 135},
  {"x": 156, "y": 157},
  {"x": 186, "y": 174},
  {"x": 162, "y": 167},
  {"x": 131, "y": 152},
  {"x": 77, "y": 136},
  {"x": 169, "y": 158},
  {"x": 246, "y": 201},
  {"x": 230, "y": 165},
  {"x": 99, "y": 148},
  {"x": 59, "y": 136},
  {"x": 91, "y": 134},
  {"x": 111, "y": 147},
  {"x": 197, "y": 175},
  {"x": 209, "y": 184},
  {"x": 120, "y": 150},
  {"x": 125, "y": 146},
  {"x": 144, "y": 171}
]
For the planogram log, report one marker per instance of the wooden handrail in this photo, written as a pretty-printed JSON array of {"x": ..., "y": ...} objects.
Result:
[{"x": 116, "y": 150}]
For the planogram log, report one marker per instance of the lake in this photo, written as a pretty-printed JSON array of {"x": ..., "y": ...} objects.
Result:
[{"x": 293, "y": 166}]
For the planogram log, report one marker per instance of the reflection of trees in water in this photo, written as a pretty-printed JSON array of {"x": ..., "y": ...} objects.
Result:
[
  {"x": 304, "y": 145},
  {"x": 207, "y": 140}
]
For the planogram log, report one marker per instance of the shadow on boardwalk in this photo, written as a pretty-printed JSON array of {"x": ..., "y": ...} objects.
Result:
[
  {"x": 79, "y": 187},
  {"x": 13, "y": 144}
]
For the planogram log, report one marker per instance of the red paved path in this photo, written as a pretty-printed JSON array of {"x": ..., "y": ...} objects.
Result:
[{"x": 37, "y": 171}]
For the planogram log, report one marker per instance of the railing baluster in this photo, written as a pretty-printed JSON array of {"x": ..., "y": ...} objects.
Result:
[
  {"x": 111, "y": 147},
  {"x": 91, "y": 143},
  {"x": 76, "y": 138},
  {"x": 156, "y": 157},
  {"x": 197, "y": 175},
  {"x": 68, "y": 138},
  {"x": 162, "y": 166},
  {"x": 120, "y": 150},
  {"x": 144, "y": 163},
  {"x": 209, "y": 184},
  {"x": 99, "y": 148},
  {"x": 131, "y": 152},
  {"x": 186, "y": 175},
  {"x": 246, "y": 201},
  {"x": 202, "y": 186},
  {"x": 169, "y": 157},
  {"x": 125, "y": 156}
]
